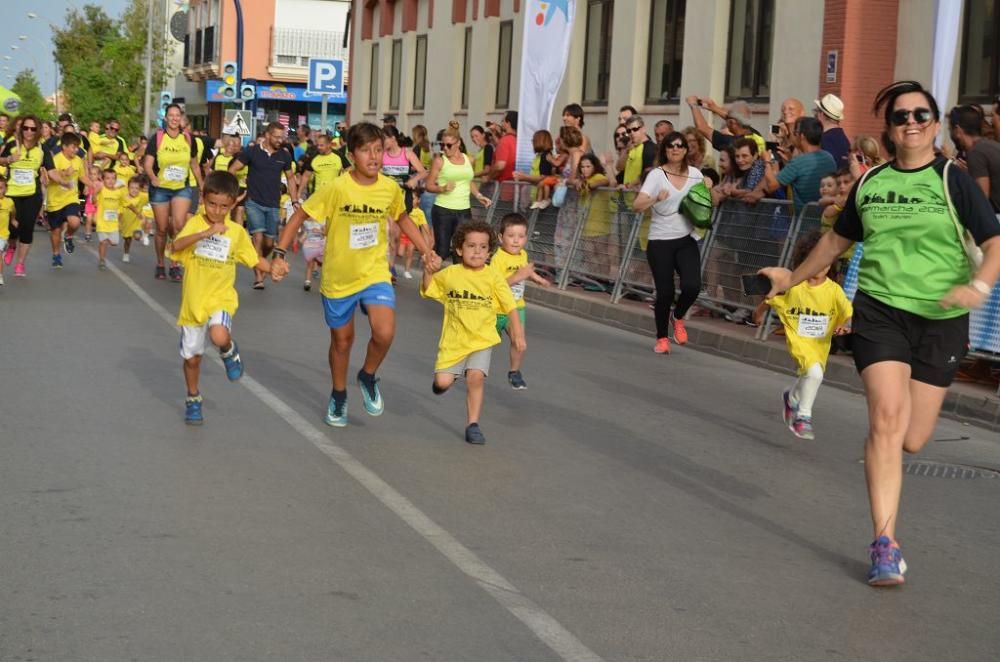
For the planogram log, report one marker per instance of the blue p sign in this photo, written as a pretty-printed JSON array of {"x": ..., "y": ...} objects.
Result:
[{"x": 326, "y": 76}]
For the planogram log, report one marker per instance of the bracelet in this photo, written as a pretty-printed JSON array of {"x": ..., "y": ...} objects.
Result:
[
  {"x": 981, "y": 286},
  {"x": 278, "y": 252}
]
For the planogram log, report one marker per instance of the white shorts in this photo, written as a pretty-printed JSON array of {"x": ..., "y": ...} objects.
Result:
[
  {"x": 193, "y": 337},
  {"x": 112, "y": 237},
  {"x": 476, "y": 361}
]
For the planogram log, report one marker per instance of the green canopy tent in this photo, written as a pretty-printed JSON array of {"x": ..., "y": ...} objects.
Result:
[{"x": 10, "y": 103}]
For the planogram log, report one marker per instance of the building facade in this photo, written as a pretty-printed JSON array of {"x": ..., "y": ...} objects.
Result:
[
  {"x": 279, "y": 37},
  {"x": 429, "y": 61}
]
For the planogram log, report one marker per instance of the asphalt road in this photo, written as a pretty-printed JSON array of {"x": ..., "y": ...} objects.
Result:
[{"x": 626, "y": 507}]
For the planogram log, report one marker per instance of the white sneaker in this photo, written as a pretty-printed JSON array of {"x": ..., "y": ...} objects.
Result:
[
  {"x": 1, "y": 280},
  {"x": 535, "y": 205},
  {"x": 543, "y": 204},
  {"x": 126, "y": 258},
  {"x": 407, "y": 274},
  {"x": 145, "y": 240}
]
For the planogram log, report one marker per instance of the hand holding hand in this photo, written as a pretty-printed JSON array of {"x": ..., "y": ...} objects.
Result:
[
  {"x": 279, "y": 269},
  {"x": 432, "y": 262}
]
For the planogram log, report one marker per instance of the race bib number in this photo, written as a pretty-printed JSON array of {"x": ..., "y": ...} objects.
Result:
[
  {"x": 215, "y": 247},
  {"x": 110, "y": 214},
  {"x": 175, "y": 174},
  {"x": 364, "y": 235},
  {"x": 518, "y": 290},
  {"x": 813, "y": 326},
  {"x": 22, "y": 176},
  {"x": 119, "y": 183}
]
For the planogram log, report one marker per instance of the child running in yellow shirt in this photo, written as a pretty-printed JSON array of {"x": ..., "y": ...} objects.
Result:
[
  {"x": 473, "y": 295},
  {"x": 109, "y": 201},
  {"x": 812, "y": 312},
  {"x": 209, "y": 247},
  {"x": 511, "y": 263},
  {"x": 405, "y": 248},
  {"x": 131, "y": 215},
  {"x": 8, "y": 219}
]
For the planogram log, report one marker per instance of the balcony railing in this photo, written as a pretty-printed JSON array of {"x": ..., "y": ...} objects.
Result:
[{"x": 292, "y": 47}]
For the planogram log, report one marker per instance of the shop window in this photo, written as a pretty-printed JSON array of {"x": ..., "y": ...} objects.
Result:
[
  {"x": 503, "y": 64},
  {"x": 420, "y": 75},
  {"x": 373, "y": 80},
  {"x": 597, "y": 53},
  {"x": 395, "y": 74},
  {"x": 666, "y": 51},
  {"x": 466, "y": 68},
  {"x": 980, "y": 76}
]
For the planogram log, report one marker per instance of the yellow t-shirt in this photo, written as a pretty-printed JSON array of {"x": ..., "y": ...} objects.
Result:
[
  {"x": 96, "y": 141},
  {"x": 60, "y": 196},
  {"x": 125, "y": 173},
  {"x": 325, "y": 168},
  {"x": 222, "y": 163},
  {"x": 472, "y": 300},
  {"x": 173, "y": 161},
  {"x": 23, "y": 177},
  {"x": 357, "y": 221},
  {"x": 810, "y": 315},
  {"x": 129, "y": 218},
  {"x": 599, "y": 214},
  {"x": 6, "y": 209},
  {"x": 417, "y": 216},
  {"x": 210, "y": 271},
  {"x": 109, "y": 204},
  {"x": 506, "y": 264}
]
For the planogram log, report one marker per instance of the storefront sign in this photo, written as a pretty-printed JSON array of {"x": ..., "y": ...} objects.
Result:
[{"x": 272, "y": 92}]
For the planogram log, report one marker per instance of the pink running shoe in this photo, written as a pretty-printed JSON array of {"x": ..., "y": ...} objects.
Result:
[
  {"x": 662, "y": 346},
  {"x": 8, "y": 255},
  {"x": 19, "y": 270},
  {"x": 680, "y": 332}
]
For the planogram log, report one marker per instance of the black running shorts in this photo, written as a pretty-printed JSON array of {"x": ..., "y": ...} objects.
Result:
[{"x": 932, "y": 348}]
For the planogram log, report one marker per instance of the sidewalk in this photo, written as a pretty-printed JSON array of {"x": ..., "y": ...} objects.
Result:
[{"x": 972, "y": 403}]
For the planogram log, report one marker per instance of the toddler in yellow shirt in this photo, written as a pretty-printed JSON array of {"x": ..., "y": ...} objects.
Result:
[
  {"x": 473, "y": 294},
  {"x": 209, "y": 247}
]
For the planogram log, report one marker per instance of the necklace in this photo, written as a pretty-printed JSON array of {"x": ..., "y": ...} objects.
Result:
[{"x": 675, "y": 174}]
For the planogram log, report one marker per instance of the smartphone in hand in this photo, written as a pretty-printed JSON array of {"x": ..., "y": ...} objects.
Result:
[{"x": 755, "y": 284}]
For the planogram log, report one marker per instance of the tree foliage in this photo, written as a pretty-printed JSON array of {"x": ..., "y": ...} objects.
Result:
[
  {"x": 32, "y": 102},
  {"x": 103, "y": 64}
]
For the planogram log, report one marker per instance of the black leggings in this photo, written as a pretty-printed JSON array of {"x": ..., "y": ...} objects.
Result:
[
  {"x": 445, "y": 222},
  {"x": 665, "y": 257},
  {"x": 26, "y": 210}
]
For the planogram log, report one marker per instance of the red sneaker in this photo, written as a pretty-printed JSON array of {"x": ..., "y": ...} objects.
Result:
[
  {"x": 662, "y": 346},
  {"x": 680, "y": 333}
]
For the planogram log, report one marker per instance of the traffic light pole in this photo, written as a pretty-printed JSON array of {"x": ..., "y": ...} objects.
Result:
[{"x": 149, "y": 66}]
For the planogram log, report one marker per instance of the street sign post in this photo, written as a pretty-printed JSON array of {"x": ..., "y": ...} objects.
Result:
[
  {"x": 239, "y": 122},
  {"x": 326, "y": 77}
]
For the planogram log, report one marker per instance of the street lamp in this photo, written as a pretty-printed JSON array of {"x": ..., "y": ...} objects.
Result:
[{"x": 32, "y": 15}]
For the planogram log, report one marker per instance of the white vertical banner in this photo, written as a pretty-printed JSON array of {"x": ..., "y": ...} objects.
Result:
[
  {"x": 548, "y": 30},
  {"x": 949, "y": 17}
]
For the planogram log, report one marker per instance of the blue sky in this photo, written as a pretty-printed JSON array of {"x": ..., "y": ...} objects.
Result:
[{"x": 36, "y": 51}]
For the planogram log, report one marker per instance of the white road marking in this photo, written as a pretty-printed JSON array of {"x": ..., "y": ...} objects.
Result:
[{"x": 543, "y": 625}]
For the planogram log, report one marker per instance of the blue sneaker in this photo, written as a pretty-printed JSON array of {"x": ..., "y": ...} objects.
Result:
[
  {"x": 336, "y": 418},
  {"x": 233, "y": 362},
  {"x": 192, "y": 410},
  {"x": 371, "y": 396},
  {"x": 789, "y": 408},
  {"x": 474, "y": 435},
  {"x": 888, "y": 566},
  {"x": 57, "y": 262}
]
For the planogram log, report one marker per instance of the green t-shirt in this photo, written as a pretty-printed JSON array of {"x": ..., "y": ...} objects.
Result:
[{"x": 913, "y": 255}]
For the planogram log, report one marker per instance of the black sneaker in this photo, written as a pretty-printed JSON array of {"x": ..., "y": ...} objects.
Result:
[
  {"x": 516, "y": 380},
  {"x": 175, "y": 274},
  {"x": 474, "y": 435},
  {"x": 68, "y": 242},
  {"x": 161, "y": 273}
]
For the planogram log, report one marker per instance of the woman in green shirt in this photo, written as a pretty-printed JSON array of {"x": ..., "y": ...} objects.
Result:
[{"x": 917, "y": 282}]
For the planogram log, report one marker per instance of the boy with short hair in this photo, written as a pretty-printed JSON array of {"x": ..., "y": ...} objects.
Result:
[
  {"x": 209, "y": 247},
  {"x": 472, "y": 294},
  {"x": 66, "y": 170},
  {"x": 8, "y": 219},
  {"x": 511, "y": 262}
]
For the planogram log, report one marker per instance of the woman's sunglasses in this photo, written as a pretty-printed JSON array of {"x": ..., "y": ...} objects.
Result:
[{"x": 902, "y": 116}]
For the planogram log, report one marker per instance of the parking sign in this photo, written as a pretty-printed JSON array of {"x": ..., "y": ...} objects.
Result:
[{"x": 326, "y": 76}]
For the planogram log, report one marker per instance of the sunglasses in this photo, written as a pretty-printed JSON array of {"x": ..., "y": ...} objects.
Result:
[
  {"x": 448, "y": 145},
  {"x": 29, "y": 128},
  {"x": 677, "y": 146},
  {"x": 634, "y": 129},
  {"x": 902, "y": 116},
  {"x": 114, "y": 128}
]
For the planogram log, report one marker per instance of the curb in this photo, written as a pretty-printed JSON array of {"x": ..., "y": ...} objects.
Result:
[{"x": 980, "y": 409}]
